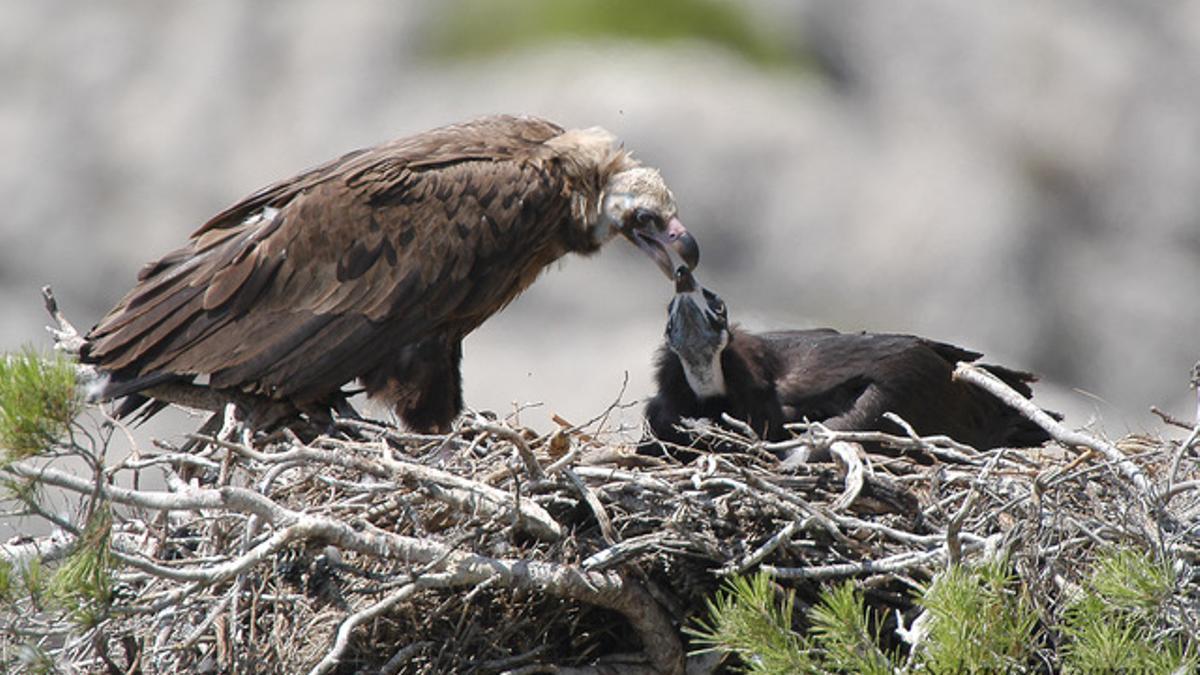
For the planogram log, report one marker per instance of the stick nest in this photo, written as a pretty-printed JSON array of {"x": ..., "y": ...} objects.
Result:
[{"x": 498, "y": 548}]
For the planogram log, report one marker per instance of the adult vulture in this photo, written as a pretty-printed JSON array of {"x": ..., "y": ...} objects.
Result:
[
  {"x": 846, "y": 381},
  {"x": 374, "y": 266}
]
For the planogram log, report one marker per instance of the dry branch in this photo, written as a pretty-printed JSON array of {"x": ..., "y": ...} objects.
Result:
[
  {"x": 903, "y": 562},
  {"x": 1068, "y": 437},
  {"x": 527, "y": 457},
  {"x": 847, "y": 454}
]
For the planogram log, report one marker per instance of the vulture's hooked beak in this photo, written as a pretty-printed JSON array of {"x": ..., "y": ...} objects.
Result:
[
  {"x": 670, "y": 247},
  {"x": 697, "y": 323}
]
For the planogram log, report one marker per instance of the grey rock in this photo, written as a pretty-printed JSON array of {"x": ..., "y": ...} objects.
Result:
[{"x": 1017, "y": 177}]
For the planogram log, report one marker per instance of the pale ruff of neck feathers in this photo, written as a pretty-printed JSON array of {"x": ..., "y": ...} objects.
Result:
[
  {"x": 591, "y": 157},
  {"x": 706, "y": 379}
]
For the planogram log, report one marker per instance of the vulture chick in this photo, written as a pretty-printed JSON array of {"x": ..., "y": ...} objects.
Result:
[
  {"x": 374, "y": 266},
  {"x": 846, "y": 381}
]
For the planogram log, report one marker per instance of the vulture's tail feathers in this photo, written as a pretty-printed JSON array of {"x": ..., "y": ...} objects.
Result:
[
  {"x": 133, "y": 405},
  {"x": 115, "y": 386},
  {"x": 137, "y": 408}
]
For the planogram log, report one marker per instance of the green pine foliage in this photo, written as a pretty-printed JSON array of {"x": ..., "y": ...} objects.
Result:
[
  {"x": 1132, "y": 582},
  {"x": 841, "y": 628},
  {"x": 82, "y": 584},
  {"x": 982, "y": 620},
  {"x": 32, "y": 659},
  {"x": 38, "y": 400},
  {"x": 6, "y": 581},
  {"x": 33, "y": 581},
  {"x": 1118, "y": 621},
  {"x": 745, "y": 618}
]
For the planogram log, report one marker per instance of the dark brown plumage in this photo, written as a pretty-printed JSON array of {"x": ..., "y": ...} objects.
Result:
[
  {"x": 846, "y": 381},
  {"x": 377, "y": 264}
]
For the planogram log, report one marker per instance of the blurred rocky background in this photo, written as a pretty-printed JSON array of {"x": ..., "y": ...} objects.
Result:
[{"x": 1019, "y": 176}]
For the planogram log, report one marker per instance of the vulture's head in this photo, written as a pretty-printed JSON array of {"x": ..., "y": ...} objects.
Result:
[
  {"x": 697, "y": 332},
  {"x": 637, "y": 204}
]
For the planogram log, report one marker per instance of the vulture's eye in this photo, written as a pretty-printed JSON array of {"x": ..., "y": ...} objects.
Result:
[{"x": 645, "y": 217}]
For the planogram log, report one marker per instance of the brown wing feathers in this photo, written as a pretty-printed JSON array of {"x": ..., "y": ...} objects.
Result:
[{"x": 310, "y": 282}]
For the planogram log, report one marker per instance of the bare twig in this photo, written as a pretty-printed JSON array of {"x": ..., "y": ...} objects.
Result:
[
  {"x": 622, "y": 551},
  {"x": 66, "y": 338},
  {"x": 466, "y": 495},
  {"x": 952, "y": 450},
  {"x": 1170, "y": 419},
  {"x": 594, "y": 505},
  {"x": 954, "y": 527},
  {"x": 19, "y": 552},
  {"x": 342, "y": 641},
  {"x": 847, "y": 454},
  {"x": 739, "y": 426},
  {"x": 993, "y": 385},
  {"x": 404, "y": 655},
  {"x": 518, "y": 442},
  {"x": 941, "y": 446},
  {"x": 756, "y": 556},
  {"x": 1184, "y": 448},
  {"x": 898, "y": 563}
]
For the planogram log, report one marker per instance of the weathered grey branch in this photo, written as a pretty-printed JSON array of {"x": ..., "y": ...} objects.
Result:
[
  {"x": 594, "y": 505},
  {"x": 467, "y": 496},
  {"x": 757, "y": 555},
  {"x": 48, "y": 548},
  {"x": 953, "y": 450},
  {"x": 1184, "y": 448},
  {"x": 342, "y": 641},
  {"x": 624, "y": 550},
  {"x": 898, "y": 563},
  {"x": 532, "y": 466},
  {"x": 939, "y": 446},
  {"x": 954, "y": 528},
  {"x": 847, "y": 454},
  {"x": 993, "y": 385},
  {"x": 66, "y": 338}
]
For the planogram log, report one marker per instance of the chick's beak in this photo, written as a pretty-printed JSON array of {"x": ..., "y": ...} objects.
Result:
[
  {"x": 671, "y": 247},
  {"x": 693, "y": 329},
  {"x": 684, "y": 281}
]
